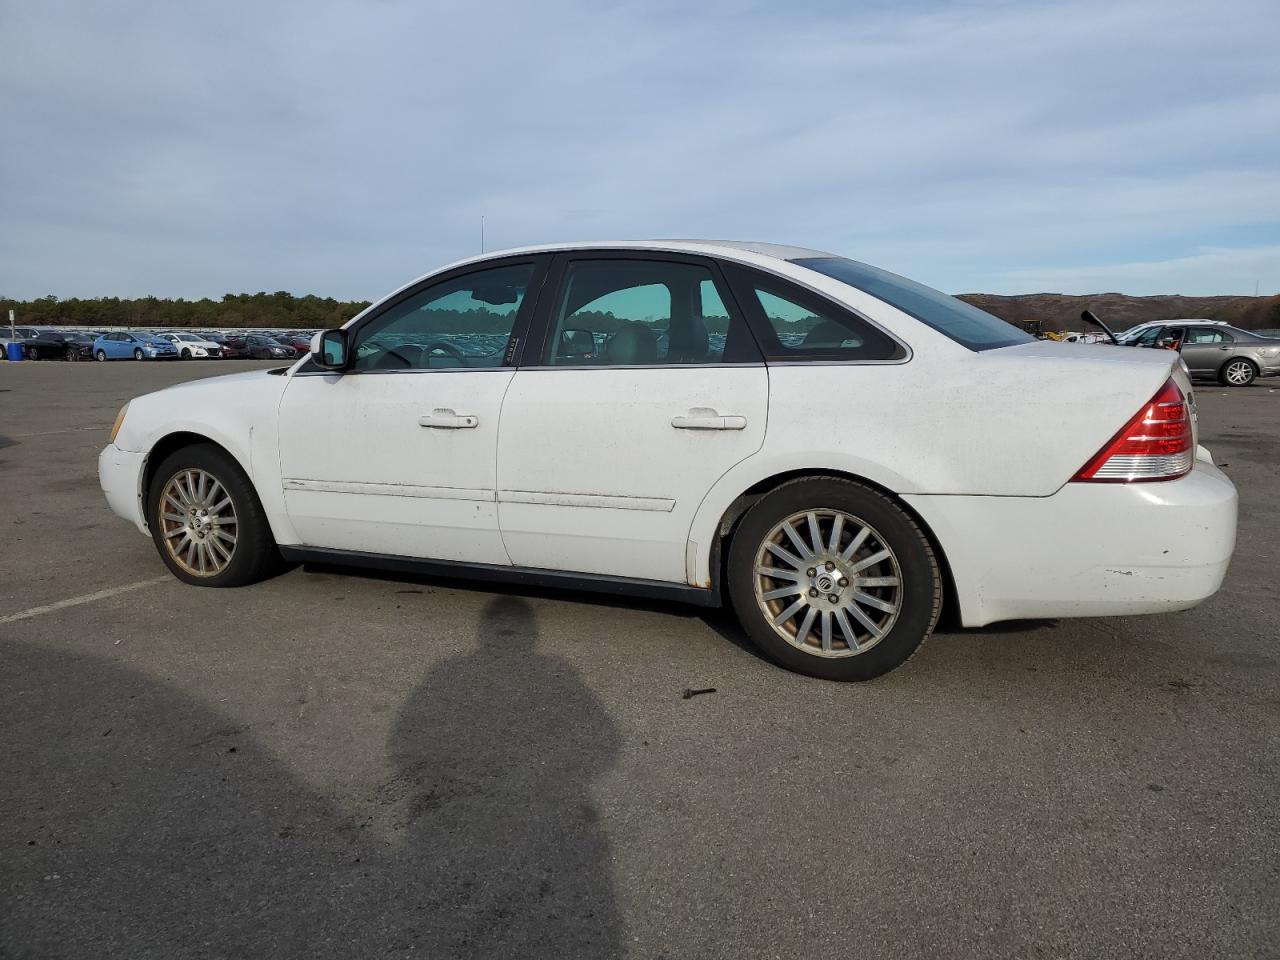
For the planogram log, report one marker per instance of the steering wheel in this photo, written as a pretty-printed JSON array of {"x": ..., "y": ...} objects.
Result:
[{"x": 442, "y": 347}]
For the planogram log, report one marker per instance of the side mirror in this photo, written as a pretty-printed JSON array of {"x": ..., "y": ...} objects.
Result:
[{"x": 329, "y": 349}]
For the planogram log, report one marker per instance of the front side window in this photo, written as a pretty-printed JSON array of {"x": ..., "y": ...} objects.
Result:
[
  {"x": 953, "y": 318},
  {"x": 640, "y": 313},
  {"x": 465, "y": 321},
  {"x": 1147, "y": 338}
]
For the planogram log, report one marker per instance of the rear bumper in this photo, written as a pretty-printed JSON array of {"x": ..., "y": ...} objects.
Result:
[
  {"x": 120, "y": 476},
  {"x": 1088, "y": 550}
]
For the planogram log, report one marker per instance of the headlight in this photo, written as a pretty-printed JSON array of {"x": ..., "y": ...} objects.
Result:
[{"x": 118, "y": 424}]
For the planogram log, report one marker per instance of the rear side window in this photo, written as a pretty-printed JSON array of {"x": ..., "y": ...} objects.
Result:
[
  {"x": 792, "y": 323},
  {"x": 1205, "y": 335},
  {"x": 633, "y": 312},
  {"x": 959, "y": 321}
]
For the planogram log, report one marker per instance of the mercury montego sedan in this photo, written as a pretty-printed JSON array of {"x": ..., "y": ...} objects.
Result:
[{"x": 833, "y": 450}]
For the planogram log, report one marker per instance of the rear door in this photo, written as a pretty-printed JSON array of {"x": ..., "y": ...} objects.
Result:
[
  {"x": 642, "y": 388},
  {"x": 1205, "y": 349}
]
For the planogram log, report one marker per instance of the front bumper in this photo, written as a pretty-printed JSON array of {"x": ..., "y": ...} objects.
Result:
[
  {"x": 120, "y": 476},
  {"x": 1088, "y": 550}
]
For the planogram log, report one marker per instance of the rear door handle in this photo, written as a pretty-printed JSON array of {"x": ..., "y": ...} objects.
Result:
[
  {"x": 704, "y": 418},
  {"x": 446, "y": 419}
]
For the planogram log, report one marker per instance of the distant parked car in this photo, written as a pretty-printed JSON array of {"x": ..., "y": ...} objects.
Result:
[
  {"x": 1215, "y": 351},
  {"x": 138, "y": 346},
  {"x": 267, "y": 348},
  {"x": 300, "y": 342},
  {"x": 193, "y": 346},
  {"x": 230, "y": 347},
  {"x": 55, "y": 344}
]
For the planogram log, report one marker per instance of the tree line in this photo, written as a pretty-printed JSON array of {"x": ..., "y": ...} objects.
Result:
[{"x": 279, "y": 309}]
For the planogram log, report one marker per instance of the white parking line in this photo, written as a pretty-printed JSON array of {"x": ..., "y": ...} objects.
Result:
[{"x": 76, "y": 601}]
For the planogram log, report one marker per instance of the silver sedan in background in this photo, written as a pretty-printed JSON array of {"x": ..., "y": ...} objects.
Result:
[{"x": 1216, "y": 351}]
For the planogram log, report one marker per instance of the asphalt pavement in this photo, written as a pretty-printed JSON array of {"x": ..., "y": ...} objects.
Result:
[{"x": 334, "y": 764}]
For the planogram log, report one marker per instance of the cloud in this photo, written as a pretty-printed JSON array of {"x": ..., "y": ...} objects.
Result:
[{"x": 344, "y": 147}]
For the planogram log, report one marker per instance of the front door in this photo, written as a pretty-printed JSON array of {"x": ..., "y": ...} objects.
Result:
[
  {"x": 646, "y": 389},
  {"x": 397, "y": 455}
]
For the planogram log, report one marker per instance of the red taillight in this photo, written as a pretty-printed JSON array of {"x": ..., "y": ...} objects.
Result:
[{"x": 1154, "y": 445}]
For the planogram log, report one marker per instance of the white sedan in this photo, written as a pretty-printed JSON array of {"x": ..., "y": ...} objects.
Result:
[
  {"x": 834, "y": 450},
  {"x": 190, "y": 346}
]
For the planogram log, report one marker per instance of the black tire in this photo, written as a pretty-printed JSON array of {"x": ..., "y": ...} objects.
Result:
[
  {"x": 73, "y": 354},
  {"x": 186, "y": 354},
  {"x": 920, "y": 580},
  {"x": 255, "y": 556},
  {"x": 33, "y": 353},
  {"x": 1242, "y": 364},
  {"x": 137, "y": 353},
  {"x": 101, "y": 356}
]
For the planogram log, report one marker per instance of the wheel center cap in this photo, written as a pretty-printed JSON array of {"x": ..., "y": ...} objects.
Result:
[{"x": 825, "y": 582}]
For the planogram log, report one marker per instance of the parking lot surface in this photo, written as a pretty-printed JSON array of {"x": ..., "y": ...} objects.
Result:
[{"x": 338, "y": 764}]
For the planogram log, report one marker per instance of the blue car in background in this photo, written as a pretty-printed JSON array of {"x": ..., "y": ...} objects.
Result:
[{"x": 135, "y": 346}]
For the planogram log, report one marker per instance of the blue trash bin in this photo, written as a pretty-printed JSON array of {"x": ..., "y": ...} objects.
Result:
[{"x": 15, "y": 352}]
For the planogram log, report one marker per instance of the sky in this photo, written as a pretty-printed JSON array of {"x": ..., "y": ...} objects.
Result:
[{"x": 344, "y": 148}]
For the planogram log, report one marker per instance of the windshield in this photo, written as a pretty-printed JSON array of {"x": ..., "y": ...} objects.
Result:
[{"x": 960, "y": 321}]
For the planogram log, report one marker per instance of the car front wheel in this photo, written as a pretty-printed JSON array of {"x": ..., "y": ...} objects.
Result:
[
  {"x": 832, "y": 579},
  {"x": 1237, "y": 373},
  {"x": 137, "y": 354},
  {"x": 207, "y": 522}
]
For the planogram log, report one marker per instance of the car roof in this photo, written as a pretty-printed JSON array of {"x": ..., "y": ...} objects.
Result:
[{"x": 724, "y": 248}]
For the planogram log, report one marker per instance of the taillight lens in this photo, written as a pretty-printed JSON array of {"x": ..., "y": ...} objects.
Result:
[{"x": 1154, "y": 445}]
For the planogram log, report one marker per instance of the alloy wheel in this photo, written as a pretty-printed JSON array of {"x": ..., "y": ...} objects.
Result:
[
  {"x": 828, "y": 583},
  {"x": 198, "y": 522},
  {"x": 1239, "y": 372}
]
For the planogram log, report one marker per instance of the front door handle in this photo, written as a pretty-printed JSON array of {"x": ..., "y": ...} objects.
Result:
[
  {"x": 446, "y": 419},
  {"x": 704, "y": 418}
]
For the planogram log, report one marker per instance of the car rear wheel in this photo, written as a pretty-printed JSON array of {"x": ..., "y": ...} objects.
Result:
[
  {"x": 207, "y": 522},
  {"x": 1238, "y": 372},
  {"x": 73, "y": 354},
  {"x": 137, "y": 353},
  {"x": 832, "y": 579},
  {"x": 101, "y": 355},
  {"x": 33, "y": 353}
]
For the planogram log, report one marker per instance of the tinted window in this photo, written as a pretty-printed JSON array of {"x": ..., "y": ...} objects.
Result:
[
  {"x": 640, "y": 312},
  {"x": 795, "y": 324},
  {"x": 960, "y": 321},
  {"x": 1147, "y": 337},
  {"x": 465, "y": 321}
]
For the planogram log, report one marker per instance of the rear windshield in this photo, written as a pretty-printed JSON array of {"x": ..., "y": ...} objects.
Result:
[{"x": 962, "y": 322}]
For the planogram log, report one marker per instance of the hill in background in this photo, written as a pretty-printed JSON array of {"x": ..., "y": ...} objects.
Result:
[{"x": 1058, "y": 311}]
